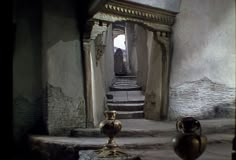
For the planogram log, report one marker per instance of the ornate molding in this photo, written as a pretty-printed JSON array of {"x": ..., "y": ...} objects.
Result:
[
  {"x": 146, "y": 13},
  {"x": 113, "y": 18},
  {"x": 114, "y": 10},
  {"x": 100, "y": 47},
  {"x": 154, "y": 19}
]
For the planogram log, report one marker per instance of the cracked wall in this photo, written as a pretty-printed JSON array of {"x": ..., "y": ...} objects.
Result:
[
  {"x": 63, "y": 81},
  {"x": 202, "y": 80},
  {"x": 64, "y": 112}
]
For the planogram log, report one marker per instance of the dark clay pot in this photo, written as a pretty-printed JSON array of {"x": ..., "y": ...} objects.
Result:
[{"x": 189, "y": 143}]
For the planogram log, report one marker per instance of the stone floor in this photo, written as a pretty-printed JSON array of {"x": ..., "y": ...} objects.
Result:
[
  {"x": 149, "y": 139},
  {"x": 219, "y": 147},
  {"x": 219, "y": 151}
]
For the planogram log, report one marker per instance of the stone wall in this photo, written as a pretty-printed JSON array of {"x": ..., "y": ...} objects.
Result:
[
  {"x": 62, "y": 68},
  {"x": 203, "y": 66},
  {"x": 27, "y": 79},
  {"x": 202, "y": 99}
]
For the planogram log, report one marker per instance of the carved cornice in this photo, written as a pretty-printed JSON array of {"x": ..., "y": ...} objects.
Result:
[
  {"x": 127, "y": 9},
  {"x": 114, "y": 10}
]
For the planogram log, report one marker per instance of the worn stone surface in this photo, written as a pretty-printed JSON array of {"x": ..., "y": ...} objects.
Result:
[
  {"x": 92, "y": 155},
  {"x": 63, "y": 112},
  {"x": 202, "y": 99}
]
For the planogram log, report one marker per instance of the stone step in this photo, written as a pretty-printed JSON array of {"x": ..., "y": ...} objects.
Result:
[
  {"x": 125, "y": 88},
  {"x": 118, "y": 101},
  {"x": 124, "y": 85},
  {"x": 95, "y": 132},
  {"x": 81, "y": 143},
  {"x": 148, "y": 128},
  {"x": 130, "y": 114},
  {"x": 125, "y": 77},
  {"x": 125, "y": 106}
]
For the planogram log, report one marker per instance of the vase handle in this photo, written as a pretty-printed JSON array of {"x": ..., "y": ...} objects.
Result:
[
  {"x": 179, "y": 125},
  {"x": 198, "y": 127}
]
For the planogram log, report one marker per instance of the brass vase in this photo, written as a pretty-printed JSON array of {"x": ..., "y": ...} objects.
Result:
[
  {"x": 110, "y": 127},
  {"x": 189, "y": 143}
]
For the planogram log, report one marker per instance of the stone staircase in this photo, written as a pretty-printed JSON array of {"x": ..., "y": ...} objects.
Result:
[{"x": 127, "y": 98}]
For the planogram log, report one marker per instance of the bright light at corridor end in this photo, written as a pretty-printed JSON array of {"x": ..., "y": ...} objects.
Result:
[{"x": 119, "y": 42}]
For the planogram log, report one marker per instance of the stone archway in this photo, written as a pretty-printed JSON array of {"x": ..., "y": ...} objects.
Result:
[{"x": 155, "y": 20}]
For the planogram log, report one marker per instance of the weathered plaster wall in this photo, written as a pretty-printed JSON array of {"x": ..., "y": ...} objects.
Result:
[
  {"x": 109, "y": 59},
  {"x": 62, "y": 62},
  {"x": 172, "y": 5},
  {"x": 203, "y": 64},
  {"x": 27, "y": 84}
]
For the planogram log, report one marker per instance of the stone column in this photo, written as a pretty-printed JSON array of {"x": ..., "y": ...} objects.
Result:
[
  {"x": 97, "y": 49},
  {"x": 109, "y": 59},
  {"x": 156, "y": 96},
  {"x": 142, "y": 56},
  {"x": 127, "y": 38},
  {"x": 130, "y": 43},
  {"x": 89, "y": 102},
  {"x": 152, "y": 107},
  {"x": 164, "y": 40}
]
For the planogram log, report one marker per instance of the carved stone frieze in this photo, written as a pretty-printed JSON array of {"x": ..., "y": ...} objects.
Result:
[
  {"x": 155, "y": 19},
  {"x": 100, "y": 47},
  {"x": 98, "y": 28},
  {"x": 139, "y": 11},
  {"x": 113, "y": 18}
]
